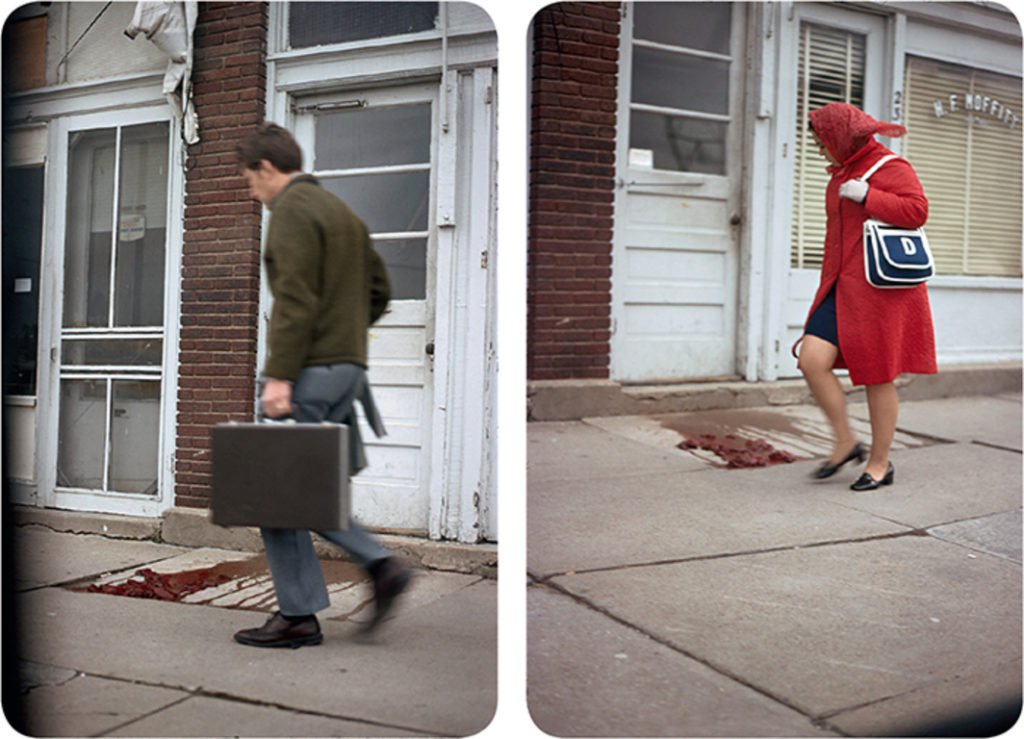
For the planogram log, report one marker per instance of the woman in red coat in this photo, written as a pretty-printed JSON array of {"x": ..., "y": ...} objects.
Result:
[{"x": 876, "y": 334}]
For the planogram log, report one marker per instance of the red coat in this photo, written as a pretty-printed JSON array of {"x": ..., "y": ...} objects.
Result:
[{"x": 882, "y": 332}]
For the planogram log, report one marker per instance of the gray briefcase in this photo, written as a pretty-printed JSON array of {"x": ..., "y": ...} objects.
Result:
[{"x": 281, "y": 475}]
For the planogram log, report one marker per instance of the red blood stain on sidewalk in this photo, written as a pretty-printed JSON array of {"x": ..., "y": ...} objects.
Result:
[
  {"x": 736, "y": 452},
  {"x": 171, "y": 586}
]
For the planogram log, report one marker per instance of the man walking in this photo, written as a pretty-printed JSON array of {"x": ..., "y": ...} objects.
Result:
[{"x": 329, "y": 286}]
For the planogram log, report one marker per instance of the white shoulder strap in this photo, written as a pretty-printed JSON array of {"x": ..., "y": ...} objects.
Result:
[{"x": 874, "y": 168}]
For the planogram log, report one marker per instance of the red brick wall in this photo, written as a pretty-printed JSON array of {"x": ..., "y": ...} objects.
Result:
[
  {"x": 221, "y": 261},
  {"x": 572, "y": 180}
]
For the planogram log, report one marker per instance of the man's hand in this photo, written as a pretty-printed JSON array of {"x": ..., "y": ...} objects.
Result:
[
  {"x": 276, "y": 398},
  {"x": 855, "y": 190}
]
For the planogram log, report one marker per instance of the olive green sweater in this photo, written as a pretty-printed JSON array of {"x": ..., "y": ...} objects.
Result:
[{"x": 328, "y": 283}]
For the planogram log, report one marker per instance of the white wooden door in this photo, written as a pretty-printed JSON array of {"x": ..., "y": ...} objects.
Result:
[
  {"x": 830, "y": 54},
  {"x": 674, "y": 285},
  {"x": 109, "y": 295},
  {"x": 376, "y": 150}
]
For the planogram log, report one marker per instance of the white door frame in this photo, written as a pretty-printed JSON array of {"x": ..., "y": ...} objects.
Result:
[
  {"x": 51, "y": 316},
  {"x": 779, "y": 310},
  {"x": 458, "y": 390},
  {"x": 727, "y": 187}
]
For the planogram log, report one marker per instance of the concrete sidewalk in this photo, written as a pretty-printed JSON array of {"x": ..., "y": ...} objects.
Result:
[
  {"x": 97, "y": 664},
  {"x": 671, "y": 596}
]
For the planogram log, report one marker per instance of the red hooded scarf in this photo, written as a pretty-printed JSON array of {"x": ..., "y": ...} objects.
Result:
[
  {"x": 845, "y": 129},
  {"x": 882, "y": 333}
]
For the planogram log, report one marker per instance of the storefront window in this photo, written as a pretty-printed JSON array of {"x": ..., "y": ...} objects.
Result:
[
  {"x": 22, "y": 240},
  {"x": 831, "y": 70},
  {"x": 965, "y": 142},
  {"x": 319, "y": 23}
]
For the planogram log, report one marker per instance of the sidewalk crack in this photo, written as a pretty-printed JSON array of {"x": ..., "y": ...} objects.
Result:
[
  {"x": 544, "y": 579},
  {"x": 817, "y": 721},
  {"x": 997, "y": 446}
]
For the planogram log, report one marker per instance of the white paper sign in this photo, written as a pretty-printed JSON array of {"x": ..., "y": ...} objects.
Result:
[
  {"x": 133, "y": 226},
  {"x": 22, "y": 284},
  {"x": 641, "y": 158}
]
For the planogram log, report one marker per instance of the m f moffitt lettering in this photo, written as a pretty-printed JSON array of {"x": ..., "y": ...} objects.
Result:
[{"x": 976, "y": 103}]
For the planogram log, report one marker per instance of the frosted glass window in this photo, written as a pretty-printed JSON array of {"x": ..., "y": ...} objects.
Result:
[
  {"x": 388, "y": 203},
  {"x": 703, "y": 26},
  {"x": 406, "y": 262},
  {"x": 83, "y": 424},
  {"x": 134, "y": 436},
  {"x": 319, "y": 23},
  {"x": 88, "y": 240},
  {"x": 679, "y": 81},
  {"x": 142, "y": 220},
  {"x": 373, "y": 137},
  {"x": 140, "y": 227},
  {"x": 113, "y": 353},
  {"x": 680, "y": 144}
]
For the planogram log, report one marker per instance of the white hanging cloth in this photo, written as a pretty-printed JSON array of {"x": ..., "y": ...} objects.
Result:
[{"x": 170, "y": 26}]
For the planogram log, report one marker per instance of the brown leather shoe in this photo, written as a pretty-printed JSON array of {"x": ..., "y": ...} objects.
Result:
[
  {"x": 390, "y": 578},
  {"x": 278, "y": 631}
]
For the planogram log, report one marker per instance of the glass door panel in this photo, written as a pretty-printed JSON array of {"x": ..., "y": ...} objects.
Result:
[
  {"x": 680, "y": 86},
  {"x": 89, "y": 229},
  {"x": 373, "y": 137},
  {"x": 392, "y": 202},
  {"x": 113, "y": 335},
  {"x": 378, "y": 160},
  {"x": 134, "y": 436},
  {"x": 81, "y": 446}
]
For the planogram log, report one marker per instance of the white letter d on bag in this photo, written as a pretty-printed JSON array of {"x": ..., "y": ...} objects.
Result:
[{"x": 909, "y": 247}]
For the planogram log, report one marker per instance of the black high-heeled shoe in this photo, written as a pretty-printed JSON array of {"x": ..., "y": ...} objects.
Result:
[
  {"x": 867, "y": 482},
  {"x": 827, "y": 468}
]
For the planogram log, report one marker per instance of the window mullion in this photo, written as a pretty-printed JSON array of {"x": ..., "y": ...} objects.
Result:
[{"x": 114, "y": 226}]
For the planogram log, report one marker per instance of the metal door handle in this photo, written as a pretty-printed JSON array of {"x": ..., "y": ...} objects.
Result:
[{"x": 429, "y": 348}]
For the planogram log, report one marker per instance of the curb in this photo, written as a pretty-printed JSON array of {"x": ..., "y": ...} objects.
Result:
[
  {"x": 572, "y": 400},
  {"x": 190, "y": 527}
]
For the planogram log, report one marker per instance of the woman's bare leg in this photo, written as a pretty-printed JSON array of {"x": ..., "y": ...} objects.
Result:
[
  {"x": 883, "y": 405},
  {"x": 817, "y": 358}
]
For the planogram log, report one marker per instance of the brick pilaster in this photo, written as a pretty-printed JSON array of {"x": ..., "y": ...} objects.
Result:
[
  {"x": 220, "y": 285},
  {"x": 572, "y": 180}
]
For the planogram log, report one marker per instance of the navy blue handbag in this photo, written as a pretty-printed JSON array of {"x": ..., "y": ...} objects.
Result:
[{"x": 895, "y": 257}]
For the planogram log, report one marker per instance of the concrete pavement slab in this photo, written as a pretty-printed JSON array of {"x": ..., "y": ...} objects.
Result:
[
  {"x": 575, "y": 450},
  {"x": 998, "y": 534},
  {"x": 943, "y": 484},
  {"x": 991, "y": 420},
  {"x": 971, "y": 697},
  {"x": 591, "y": 676},
  {"x": 587, "y": 524},
  {"x": 45, "y": 557},
  {"x": 202, "y": 716},
  {"x": 33, "y": 675},
  {"x": 830, "y": 627},
  {"x": 90, "y": 705},
  {"x": 432, "y": 670}
]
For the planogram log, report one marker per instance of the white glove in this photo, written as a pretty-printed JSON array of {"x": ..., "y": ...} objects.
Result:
[{"x": 855, "y": 190}]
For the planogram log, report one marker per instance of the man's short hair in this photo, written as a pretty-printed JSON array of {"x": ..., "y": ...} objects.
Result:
[{"x": 272, "y": 143}]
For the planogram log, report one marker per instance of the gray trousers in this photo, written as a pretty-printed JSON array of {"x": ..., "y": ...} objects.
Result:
[{"x": 324, "y": 393}]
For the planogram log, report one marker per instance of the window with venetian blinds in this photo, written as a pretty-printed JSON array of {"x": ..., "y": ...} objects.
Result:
[
  {"x": 831, "y": 70},
  {"x": 964, "y": 139}
]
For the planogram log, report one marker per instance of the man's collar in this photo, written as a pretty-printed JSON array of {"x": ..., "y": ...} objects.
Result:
[{"x": 296, "y": 177}]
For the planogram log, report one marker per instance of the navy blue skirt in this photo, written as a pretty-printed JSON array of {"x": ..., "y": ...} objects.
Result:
[{"x": 822, "y": 322}]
